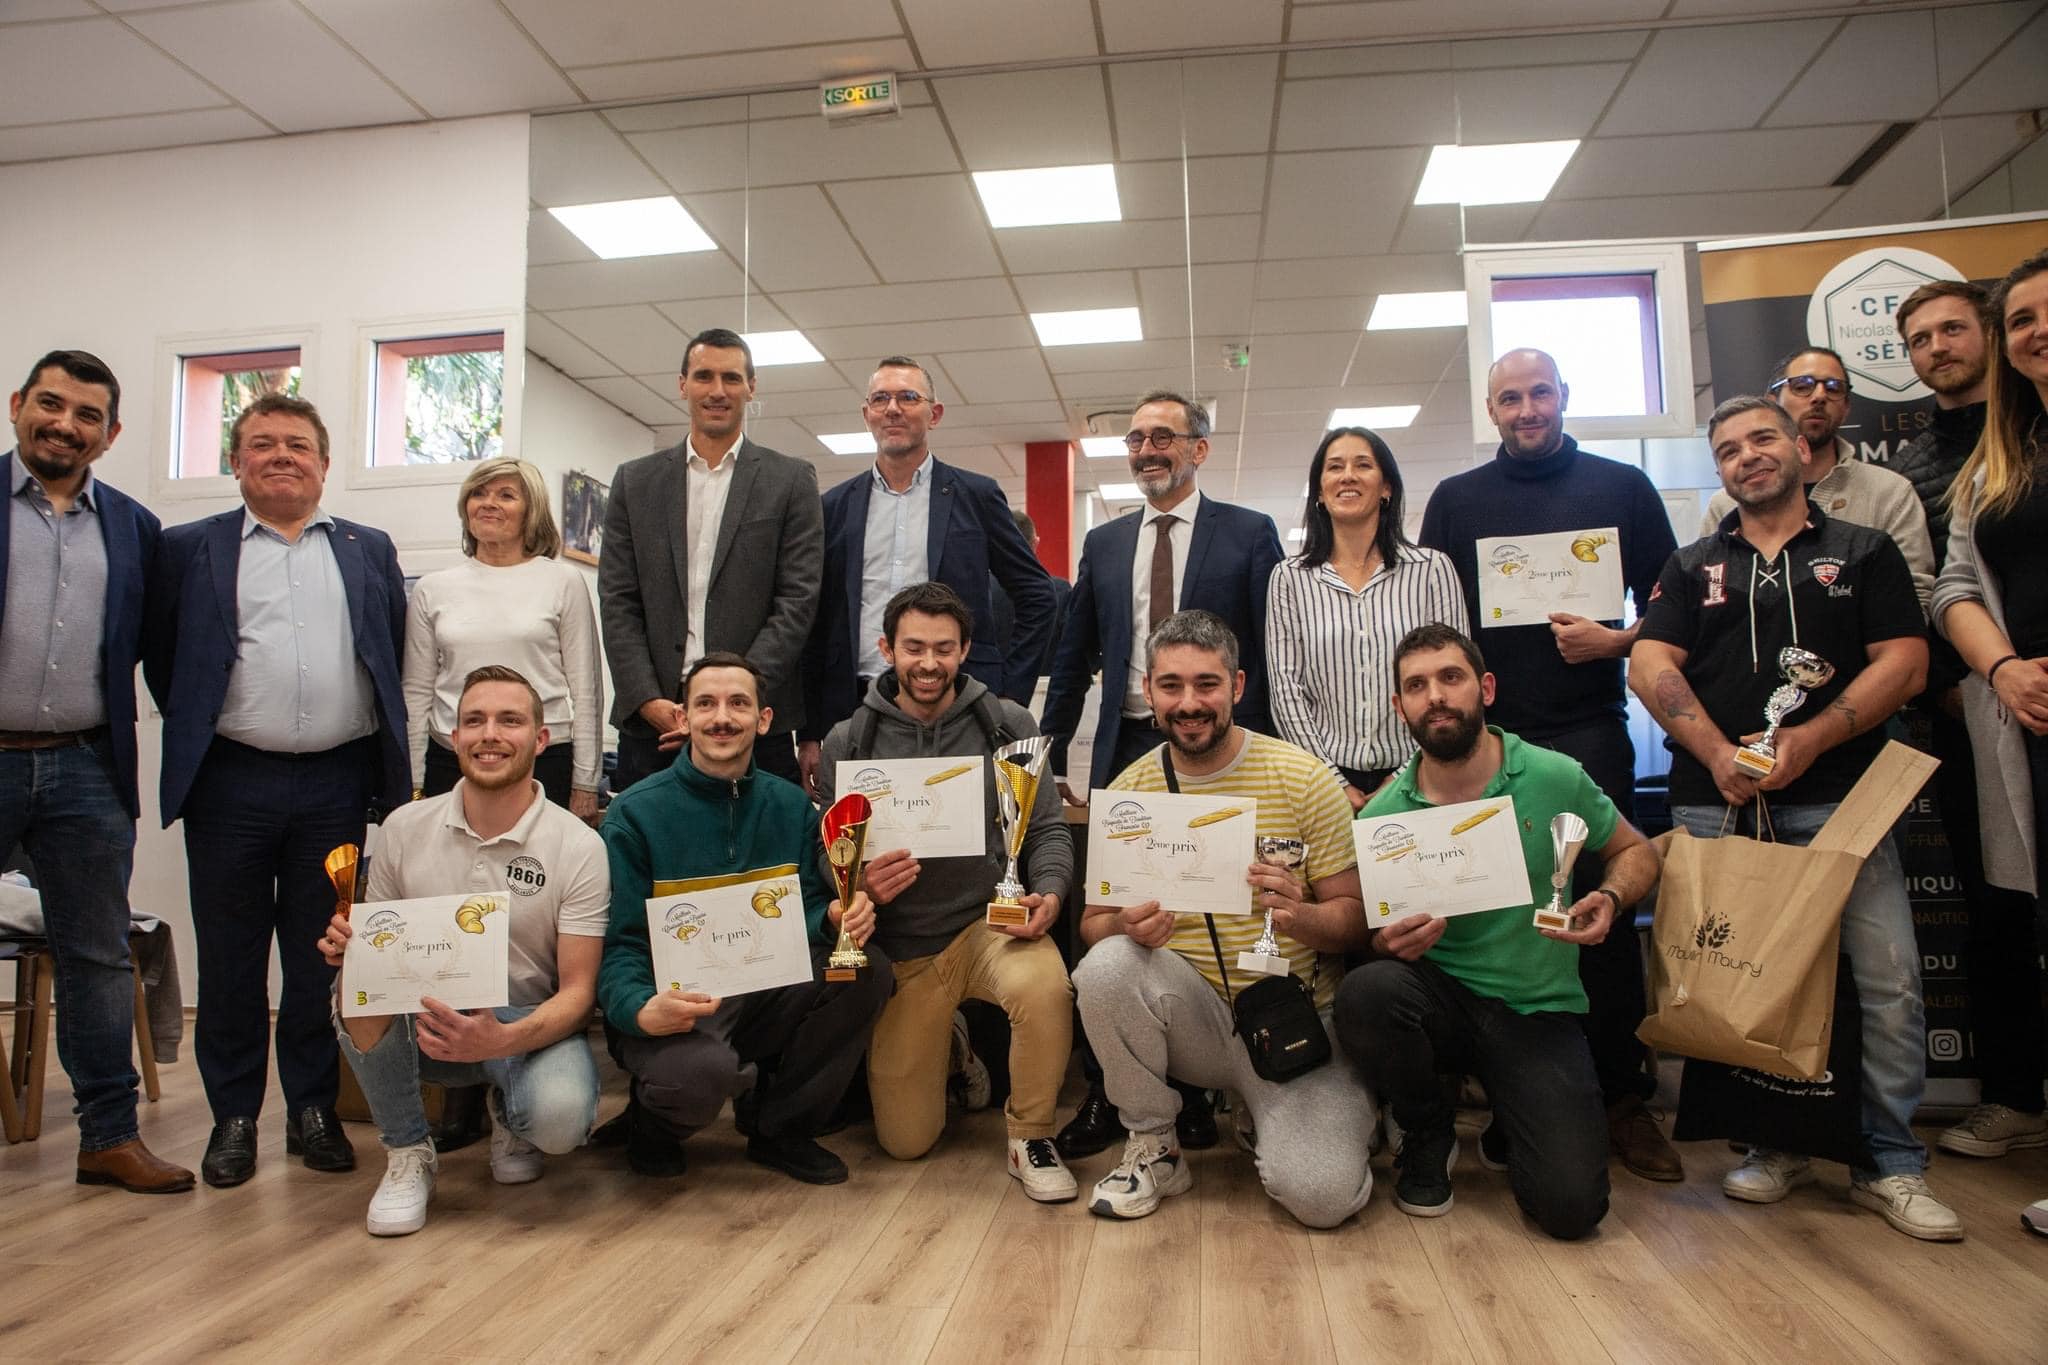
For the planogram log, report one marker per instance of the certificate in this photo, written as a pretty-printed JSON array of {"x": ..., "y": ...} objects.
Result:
[
  {"x": 1522, "y": 579},
  {"x": 1442, "y": 861},
  {"x": 453, "y": 948},
  {"x": 935, "y": 807},
  {"x": 730, "y": 935},
  {"x": 1189, "y": 853}
]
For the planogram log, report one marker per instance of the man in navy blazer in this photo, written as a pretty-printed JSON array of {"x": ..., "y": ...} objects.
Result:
[
  {"x": 1220, "y": 563},
  {"x": 911, "y": 519},
  {"x": 275, "y": 660},
  {"x": 75, "y": 559}
]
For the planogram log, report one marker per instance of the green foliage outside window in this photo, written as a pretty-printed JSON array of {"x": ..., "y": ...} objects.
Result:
[{"x": 454, "y": 407}]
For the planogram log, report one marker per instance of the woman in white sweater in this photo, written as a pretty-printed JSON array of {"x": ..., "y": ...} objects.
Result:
[{"x": 514, "y": 603}]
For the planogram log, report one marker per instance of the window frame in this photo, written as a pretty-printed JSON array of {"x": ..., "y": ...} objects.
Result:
[
  {"x": 372, "y": 337},
  {"x": 168, "y": 424}
]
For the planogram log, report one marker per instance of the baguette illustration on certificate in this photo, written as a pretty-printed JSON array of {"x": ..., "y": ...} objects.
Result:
[
  {"x": 730, "y": 935},
  {"x": 1522, "y": 579},
  {"x": 1189, "y": 853},
  {"x": 1444, "y": 860},
  {"x": 454, "y": 948},
  {"x": 935, "y": 807}
]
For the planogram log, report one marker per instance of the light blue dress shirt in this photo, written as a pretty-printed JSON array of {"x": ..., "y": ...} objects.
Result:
[
  {"x": 895, "y": 554},
  {"x": 53, "y": 627}
]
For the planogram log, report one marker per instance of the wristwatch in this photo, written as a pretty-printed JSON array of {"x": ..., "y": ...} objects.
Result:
[{"x": 1612, "y": 895}]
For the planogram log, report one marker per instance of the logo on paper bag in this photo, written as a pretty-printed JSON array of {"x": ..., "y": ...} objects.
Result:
[
  {"x": 1709, "y": 937},
  {"x": 1713, "y": 932}
]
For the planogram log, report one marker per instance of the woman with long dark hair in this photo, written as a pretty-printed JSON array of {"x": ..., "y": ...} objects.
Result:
[
  {"x": 1335, "y": 611},
  {"x": 1998, "y": 543}
]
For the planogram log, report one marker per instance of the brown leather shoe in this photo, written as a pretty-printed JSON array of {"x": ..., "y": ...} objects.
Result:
[
  {"x": 134, "y": 1168},
  {"x": 1633, "y": 1135}
]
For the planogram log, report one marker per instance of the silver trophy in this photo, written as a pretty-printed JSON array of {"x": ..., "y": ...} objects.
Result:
[
  {"x": 1265, "y": 957},
  {"x": 1018, "y": 768},
  {"x": 1567, "y": 837},
  {"x": 1804, "y": 672}
]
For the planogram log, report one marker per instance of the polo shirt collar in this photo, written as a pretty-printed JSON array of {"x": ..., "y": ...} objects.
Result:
[
  {"x": 522, "y": 829},
  {"x": 1730, "y": 529},
  {"x": 1512, "y": 760}
]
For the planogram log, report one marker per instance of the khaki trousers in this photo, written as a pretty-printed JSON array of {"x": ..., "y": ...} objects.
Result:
[{"x": 908, "y": 1055}]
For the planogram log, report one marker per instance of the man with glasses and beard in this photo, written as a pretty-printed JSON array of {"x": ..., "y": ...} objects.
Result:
[
  {"x": 1153, "y": 990},
  {"x": 1486, "y": 993}
]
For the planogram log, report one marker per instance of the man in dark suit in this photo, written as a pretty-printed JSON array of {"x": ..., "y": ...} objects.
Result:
[
  {"x": 1006, "y": 610},
  {"x": 274, "y": 656},
  {"x": 1193, "y": 551},
  {"x": 75, "y": 557},
  {"x": 710, "y": 545},
  {"x": 912, "y": 519}
]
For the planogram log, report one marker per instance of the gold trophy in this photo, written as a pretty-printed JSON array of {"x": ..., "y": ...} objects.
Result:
[
  {"x": 1018, "y": 768},
  {"x": 1804, "y": 672},
  {"x": 845, "y": 830}
]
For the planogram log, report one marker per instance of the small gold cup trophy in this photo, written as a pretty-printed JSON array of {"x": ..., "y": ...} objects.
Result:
[
  {"x": 1804, "y": 672},
  {"x": 1265, "y": 957},
  {"x": 845, "y": 830},
  {"x": 1018, "y": 768},
  {"x": 1567, "y": 836}
]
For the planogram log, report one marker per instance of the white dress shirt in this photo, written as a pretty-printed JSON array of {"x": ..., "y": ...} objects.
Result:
[
  {"x": 895, "y": 553},
  {"x": 705, "y": 498},
  {"x": 1180, "y": 536}
]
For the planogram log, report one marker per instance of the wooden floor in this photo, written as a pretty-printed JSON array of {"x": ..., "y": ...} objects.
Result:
[{"x": 945, "y": 1260}]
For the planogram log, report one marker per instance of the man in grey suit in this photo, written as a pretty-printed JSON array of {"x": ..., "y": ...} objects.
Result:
[{"x": 714, "y": 544}]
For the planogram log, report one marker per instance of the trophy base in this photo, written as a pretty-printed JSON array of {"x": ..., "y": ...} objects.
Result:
[
  {"x": 1547, "y": 918},
  {"x": 1008, "y": 914},
  {"x": 845, "y": 966},
  {"x": 1265, "y": 964},
  {"x": 1755, "y": 762}
]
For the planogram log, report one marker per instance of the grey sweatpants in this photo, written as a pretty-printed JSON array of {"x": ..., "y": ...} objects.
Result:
[{"x": 1149, "y": 1014}]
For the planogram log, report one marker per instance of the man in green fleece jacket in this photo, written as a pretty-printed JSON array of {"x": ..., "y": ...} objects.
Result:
[
  {"x": 933, "y": 917},
  {"x": 784, "y": 1056}
]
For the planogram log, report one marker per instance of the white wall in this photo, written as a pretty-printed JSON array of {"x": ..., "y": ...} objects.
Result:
[{"x": 326, "y": 234}]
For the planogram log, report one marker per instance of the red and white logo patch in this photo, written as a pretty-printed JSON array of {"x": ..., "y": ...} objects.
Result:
[
  {"x": 1717, "y": 586},
  {"x": 1825, "y": 573}
]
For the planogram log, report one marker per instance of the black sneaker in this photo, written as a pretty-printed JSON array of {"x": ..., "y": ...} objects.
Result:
[
  {"x": 1094, "y": 1127},
  {"x": 1422, "y": 1183},
  {"x": 1493, "y": 1146},
  {"x": 650, "y": 1151},
  {"x": 800, "y": 1158},
  {"x": 1195, "y": 1125}
]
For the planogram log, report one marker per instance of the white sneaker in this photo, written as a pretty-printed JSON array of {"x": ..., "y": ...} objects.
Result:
[
  {"x": 1994, "y": 1130},
  {"x": 1036, "y": 1162},
  {"x": 2034, "y": 1218},
  {"x": 968, "y": 1071},
  {"x": 514, "y": 1160},
  {"x": 1765, "y": 1177},
  {"x": 1151, "y": 1169},
  {"x": 400, "y": 1204},
  {"x": 1908, "y": 1205}
]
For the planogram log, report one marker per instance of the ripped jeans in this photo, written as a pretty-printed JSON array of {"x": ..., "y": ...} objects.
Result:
[{"x": 1877, "y": 934}]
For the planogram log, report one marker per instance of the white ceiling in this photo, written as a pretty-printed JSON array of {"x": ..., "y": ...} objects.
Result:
[{"x": 1701, "y": 117}]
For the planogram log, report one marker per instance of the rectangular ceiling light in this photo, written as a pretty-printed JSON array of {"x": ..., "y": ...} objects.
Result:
[
  {"x": 782, "y": 348},
  {"x": 1437, "y": 308},
  {"x": 1501, "y": 173},
  {"x": 849, "y": 442},
  {"x": 1085, "y": 326},
  {"x": 1103, "y": 447},
  {"x": 1050, "y": 194},
  {"x": 1120, "y": 492},
  {"x": 660, "y": 226},
  {"x": 1374, "y": 419}
]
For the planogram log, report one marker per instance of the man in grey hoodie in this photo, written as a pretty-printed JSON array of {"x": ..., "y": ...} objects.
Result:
[{"x": 932, "y": 913}]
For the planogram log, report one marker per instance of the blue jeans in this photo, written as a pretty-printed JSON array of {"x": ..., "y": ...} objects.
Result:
[
  {"x": 550, "y": 1096},
  {"x": 61, "y": 806},
  {"x": 1877, "y": 934}
]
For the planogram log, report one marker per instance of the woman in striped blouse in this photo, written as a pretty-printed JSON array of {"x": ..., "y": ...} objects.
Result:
[{"x": 1335, "y": 612}]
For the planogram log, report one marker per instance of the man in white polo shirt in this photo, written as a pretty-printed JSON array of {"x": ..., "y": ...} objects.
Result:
[{"x": 494, "y": 832}]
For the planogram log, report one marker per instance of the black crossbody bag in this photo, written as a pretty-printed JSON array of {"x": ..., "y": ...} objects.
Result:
[{"x": 1275, "y": 1016}]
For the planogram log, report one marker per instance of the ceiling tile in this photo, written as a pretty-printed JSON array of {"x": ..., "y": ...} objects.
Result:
[
  {"x": 791, "y": 151},
  {"x": 782, "y": 434},
  {"x": 1700, "y": 78},
  {"x": 653, "y": 118},
  {"x": 1367, "y": 111},
  {"x": 926, "y": 228},
  {"x": 998, "y": 376},
  {"x": 411, "y": 43},
  {"x": 549, "y": 243},
  {"x": 1349, "y": 275},
  {"x": 1694, "y": 163},
  {"x": 271, "y": 56},
  {"x": 634, "y": 398},
  {"x": 1907, "y": 184},
  {"x": 1535, "y": 50},
  {"x": 1223, "y": 105},
  {"x": 670, "y": 77},
  {"x": 633, "y": 30},
  {"x": 1029, "y": 118},
  {"x": 1168, "y": 356},
  {"x": 24, "y": 11},
  {"x": 2015, "y": 78},
  {"x": 915, "y": 339},
  {"x": 1724, "y": 214},
  {"x": 128, "y": 134},
  {"x": 634, "y": 337},
  {"x": 753, "y": 313},
  {"x": 1970, "y": 34},
  {"x": 1365, "y": 61},
  {"x": 1149, "y": 25},
  {"x": 1328, "y": 313},
  {"x": 1338, "y": 203},
  {"x": 1223, "y": 300},
  {"x": 898, "y": 302},
  {"x": 787, "y": 237},
  {"x": 593, "y": 284},
  {"x": 982, "y": 32},
  {"x": 563, "y": 351},
  {"x": 1094, "y": 246},
  {"x": 1837, "y": 88},
  {"x": 1215, "y": 184},
  {"x": 1540, "y": 104},
  {"x": 579, "y": 159},
  {"x": 41, "y": 67},
  {"x": 1084, "y": 289},
  {"x": 1395, "y": 18}
]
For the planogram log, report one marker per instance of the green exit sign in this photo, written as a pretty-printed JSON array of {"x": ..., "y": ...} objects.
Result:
[{"x": 866, "y": 96}]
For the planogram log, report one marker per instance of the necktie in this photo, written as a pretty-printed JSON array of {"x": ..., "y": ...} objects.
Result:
[{"x": 1162, "y": 604}]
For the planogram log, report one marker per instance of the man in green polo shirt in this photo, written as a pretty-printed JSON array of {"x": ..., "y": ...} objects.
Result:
[{"x": 1489, "y": 993}]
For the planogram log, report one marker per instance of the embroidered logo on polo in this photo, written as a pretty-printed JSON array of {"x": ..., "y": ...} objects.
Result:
[
  {"x": 1826, "y": 571},
  {"x": 525, "y": 876},
  {"x": 1717, "y": 584}
]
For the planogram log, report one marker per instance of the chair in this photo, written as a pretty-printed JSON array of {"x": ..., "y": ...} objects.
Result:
[{"x": 28, "y": 1058}]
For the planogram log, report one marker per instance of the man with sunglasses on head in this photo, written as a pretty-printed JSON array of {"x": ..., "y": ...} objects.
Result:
[
  {"x": 1813, "y": 385},
  {"x": 911, "y": 519}
]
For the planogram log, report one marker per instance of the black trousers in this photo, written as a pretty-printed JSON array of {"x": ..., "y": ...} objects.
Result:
[
  {"x": 640, "y": 756},
  {"x": 795, "y": 1046},
  {"x": 555, "y": 767},
  {"x": 1611, "y": 970},
  {"x": 258, "y": 828}
]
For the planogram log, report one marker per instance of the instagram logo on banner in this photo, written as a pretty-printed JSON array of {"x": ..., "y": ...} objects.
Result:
[{"x": 1944, "y": 1045}]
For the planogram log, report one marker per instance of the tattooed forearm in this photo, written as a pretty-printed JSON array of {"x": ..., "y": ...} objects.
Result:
[
  {"x": 1848, "y": 712},
  {"x": 1675, "y": 697}
]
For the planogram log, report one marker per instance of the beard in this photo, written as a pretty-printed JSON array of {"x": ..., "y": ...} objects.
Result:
[
  {"x": 1961, "y": 380},
  {"x": 1218, "y": 733},
  {"x": 1451, "y": 745}
]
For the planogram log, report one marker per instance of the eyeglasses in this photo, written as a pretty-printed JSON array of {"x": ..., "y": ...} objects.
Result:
[
  {"x": 907, "y": 399},
  {"x": 1159, "y": 438},
  {"x": 1804, "y": 384}
]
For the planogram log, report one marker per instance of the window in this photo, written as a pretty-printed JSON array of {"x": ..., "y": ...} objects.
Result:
[
  {"x": 212, "y": 390},
  {"x": 438, "y": 400}
]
